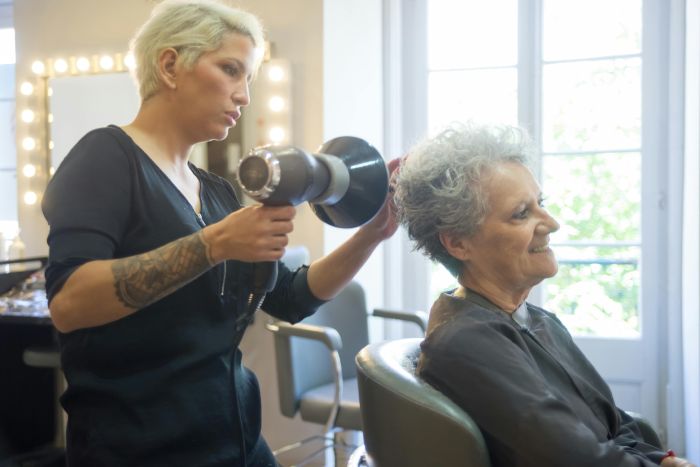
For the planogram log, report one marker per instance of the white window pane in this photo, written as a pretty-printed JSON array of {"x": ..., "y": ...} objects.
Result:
[
  {"x": 596, "y": 291},
  {"x": 591, "y": 28},
  {"x": 8, "y": 196},
  {"x": 479, "y": 95},
  {"x": 472, "y": 33},
  {"x": 8, "y": 154},
  {"x": 594, "y": 197},
  {"x": 592, "y": 105}
]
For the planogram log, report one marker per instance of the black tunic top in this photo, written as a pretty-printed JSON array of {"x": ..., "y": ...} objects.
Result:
[
  {"x": 164, "y": 385},
  {"x": 536, "y": 398}
]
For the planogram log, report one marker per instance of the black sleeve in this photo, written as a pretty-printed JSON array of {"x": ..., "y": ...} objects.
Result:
[
  {"x": 291, "y": 300},
  {"x": 491, "y": 375},
  {"x": 86, "y": 205}
]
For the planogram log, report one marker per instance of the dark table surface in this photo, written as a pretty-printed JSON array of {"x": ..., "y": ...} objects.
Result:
[{"x": 25, "y": 302}]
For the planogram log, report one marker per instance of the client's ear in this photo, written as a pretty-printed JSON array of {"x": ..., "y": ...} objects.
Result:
[{"x": 456, "y": 245}]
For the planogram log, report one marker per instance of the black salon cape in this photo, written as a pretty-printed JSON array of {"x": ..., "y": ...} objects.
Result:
[
  {"x": 164, "y": 385},
  {"x": 536, "y": 398}
]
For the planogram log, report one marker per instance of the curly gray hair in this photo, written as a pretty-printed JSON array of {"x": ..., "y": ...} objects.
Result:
[{"x": 439, "y": 185}]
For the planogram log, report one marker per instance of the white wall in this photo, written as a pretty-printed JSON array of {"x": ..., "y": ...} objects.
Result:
[{"x": 353, "y": 100}]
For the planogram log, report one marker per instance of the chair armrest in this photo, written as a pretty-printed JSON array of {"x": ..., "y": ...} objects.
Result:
[
  {"x": 328, "y": 336},
  {"x": 418, "y": 317}
]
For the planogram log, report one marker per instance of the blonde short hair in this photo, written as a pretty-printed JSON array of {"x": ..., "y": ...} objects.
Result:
[{"x": 192, "y": 27}]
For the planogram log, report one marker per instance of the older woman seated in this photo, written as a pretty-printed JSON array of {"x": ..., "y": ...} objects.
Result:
[{"x": 470, "y": 202}]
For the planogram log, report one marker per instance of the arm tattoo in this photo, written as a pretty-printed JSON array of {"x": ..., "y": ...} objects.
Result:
[{"x": 142, "y": 279}]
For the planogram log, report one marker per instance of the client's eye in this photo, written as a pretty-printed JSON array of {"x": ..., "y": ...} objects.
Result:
[{"x": 521, "y": 214}]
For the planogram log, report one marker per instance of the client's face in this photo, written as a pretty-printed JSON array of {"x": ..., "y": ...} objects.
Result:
[{"x": 510, "y": 253}]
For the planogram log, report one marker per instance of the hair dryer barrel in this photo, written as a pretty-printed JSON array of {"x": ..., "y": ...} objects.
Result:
[
  {"x": 284, "y": 175},
  {"x": 345, "y": 183}
]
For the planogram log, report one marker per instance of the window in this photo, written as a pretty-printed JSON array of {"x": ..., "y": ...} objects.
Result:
[{"x": 571, "y": 73}]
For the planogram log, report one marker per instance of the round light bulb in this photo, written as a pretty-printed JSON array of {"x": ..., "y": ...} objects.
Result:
[
  {"x": 38, "y": 67},
  {"x": 130, "y": 61},
  {"x": 30, "y": 197},
  {"x": 106, "y": 62},
  {"x": 275, "y": 73},
  {"x": 52, "y": 170},
  {"x": 29, "y": 170},
  {"x": 51, "y": 145},
  {"x": 276, "y": 103},
  {"x": 28, "y": 143},
  {"x": 26, "y": 88},
  {"x": 60, "y": 65},
  {"x": 49, "y": 118},
  {"x": 82, "y": 64},
  {"x": 276, "y": 134},
  {"x": 27, "y": 116}
]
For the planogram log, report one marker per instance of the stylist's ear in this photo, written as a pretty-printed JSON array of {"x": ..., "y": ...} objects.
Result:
[
  {"x": 456, "y": 245},
  {"x": 167, "y": 62}
]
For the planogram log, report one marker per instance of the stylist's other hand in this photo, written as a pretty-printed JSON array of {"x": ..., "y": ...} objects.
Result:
[
  {"x": 251, "y": 234},
  {"x": 384, "y": 224}
]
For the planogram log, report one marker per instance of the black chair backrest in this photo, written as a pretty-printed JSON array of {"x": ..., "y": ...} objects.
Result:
[{"x": 407, "y": 422}]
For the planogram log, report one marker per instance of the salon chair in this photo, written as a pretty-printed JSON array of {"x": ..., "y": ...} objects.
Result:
[
  {"x": 408, "y": 423},
  {"x": 315, "y": 363}
]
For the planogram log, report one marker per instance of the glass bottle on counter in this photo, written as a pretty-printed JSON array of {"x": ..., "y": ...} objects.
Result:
[{"x": 16, "y": 251}]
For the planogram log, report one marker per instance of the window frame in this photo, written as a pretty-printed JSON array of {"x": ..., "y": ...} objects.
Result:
[{"x": 405, "y": 103}]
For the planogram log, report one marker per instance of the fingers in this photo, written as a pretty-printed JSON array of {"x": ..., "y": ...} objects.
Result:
[{"x": 254, "y": 233}]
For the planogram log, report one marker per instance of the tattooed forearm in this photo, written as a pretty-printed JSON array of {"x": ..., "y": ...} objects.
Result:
[{"x": 142, "y": 279}]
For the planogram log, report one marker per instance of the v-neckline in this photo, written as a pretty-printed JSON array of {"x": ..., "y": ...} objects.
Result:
[{"x": 199, "y": 215}]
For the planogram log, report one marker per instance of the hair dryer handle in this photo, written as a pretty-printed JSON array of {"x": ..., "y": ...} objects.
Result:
[{"x": 264, "y": 277}]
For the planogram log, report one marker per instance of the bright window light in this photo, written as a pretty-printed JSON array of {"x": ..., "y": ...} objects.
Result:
[{"x": 7, "y": 46}]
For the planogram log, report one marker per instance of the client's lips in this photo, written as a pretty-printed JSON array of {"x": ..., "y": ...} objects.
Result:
[{"x": 540, "y": 249}]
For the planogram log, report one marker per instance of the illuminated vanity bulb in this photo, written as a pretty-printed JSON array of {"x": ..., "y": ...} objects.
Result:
[
  {"x": 49, "y": 118},
  {"x": 60, "y": 65},
  {"x": 49, "y": 92},
  {"x": 51, "y": 145},
  {"x": 276, "y": 104},
  {"x": 106, "y": 62},
  {"x": 275, "y": 73},
  {"x": 28, "y": 143},
  {"x": 38, "y": 67},
  {"x": 27, "y": 116},
  {"x": 29, "y": 170},
  {"x": 130, "y": 61},
  {"x": 30, "y": 197},
  {"x": 52, "y": 170},
  {"x": 26, "y": 88},
  {"x": 82, "y": 64},
  {"x": 276, "y": 134}
]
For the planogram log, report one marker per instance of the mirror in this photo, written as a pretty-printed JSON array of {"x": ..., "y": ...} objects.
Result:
[{"x": 80, "y": 103}]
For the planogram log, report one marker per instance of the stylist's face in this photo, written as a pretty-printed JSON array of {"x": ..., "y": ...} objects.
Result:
[
  {"x": 213, "y": 92},
  {"x": 510, "y": 251}
]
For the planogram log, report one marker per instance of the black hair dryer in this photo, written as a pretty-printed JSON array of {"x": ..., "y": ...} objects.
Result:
[{"x": 345, "y": 183}]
